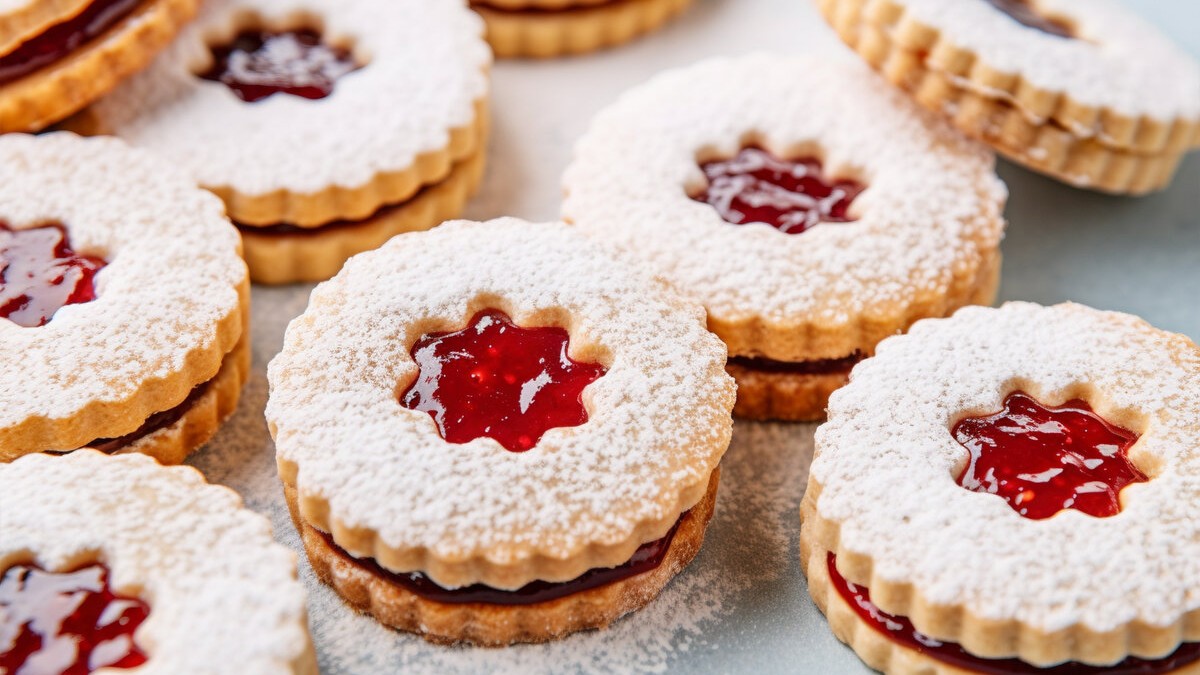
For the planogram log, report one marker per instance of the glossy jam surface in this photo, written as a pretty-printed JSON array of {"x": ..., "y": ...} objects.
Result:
[
  {"x": 1044, "y": 460},
  {"x": 259, "y": 64},
  {"x": 40, "y": 274},
  {"x": 841, "y": 366},
  {"x": 900, "y": 630},
  {"x": 1024, "y": 13},
  {"x": 791, "y": 195},
  {"x": 70, "y": 623},
  {"x": 58, "y": 41},
  {"x": 496, "y": 379},
  {"x": 646, "y": 558}
]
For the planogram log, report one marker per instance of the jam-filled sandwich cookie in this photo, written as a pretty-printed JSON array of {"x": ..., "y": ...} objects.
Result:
[
  {"x": 811, "y": 208},
  {"x": 109, "y": 564},
  {"x": 124, "y": 302},
  {"x": 549, "y": 28},
  {"x": 497, "y": 432},
  {"x": 1013, "y": 490},
  {"x": 1082, "y": 90},
  {"x": 57, "y": 57},
  {"x": 327, "y": 126}
]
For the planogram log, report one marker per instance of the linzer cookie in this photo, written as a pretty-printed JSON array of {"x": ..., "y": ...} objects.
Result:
[
  {"x": 811, "y": 208},
  {"x": 1082, "y": 90},
  {"x": 549, "y": 28},
  {"x": 57, "y": 57},
  {"x": 1013, "y": 490},
  {"x": 109, "y": 564},
  {"x": 123, "y": 303},
  {"x": 496, "y": 432},
  {"x": 326, "y": 126}
]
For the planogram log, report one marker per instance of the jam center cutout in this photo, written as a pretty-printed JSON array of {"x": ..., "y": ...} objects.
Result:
[
  {"x": 499, "y": 380},
  {"x": 1044, "y": 460},
  {"x": 260, "y": 63},
  {"x": 792, "y": 195},
  {"x": 40, "y": 274},
  {"x": 70, "y": 623},
  {"x": 60, "y": 40},
  {"x": 1025, "y": 14},
  {"x": 901, "y": 631}
]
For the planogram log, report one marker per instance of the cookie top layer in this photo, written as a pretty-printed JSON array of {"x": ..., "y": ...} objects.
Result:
[
  {"x": 1116, "y": 60},
  {"x": 887, "y": 465},
  {"x": 382, "y": 480},
  {"x": 425, "y": 67},
  {"x": 222, "y": 593},
  {"x": 168, "y": 302},
  {"x": 929, "y": 218}
]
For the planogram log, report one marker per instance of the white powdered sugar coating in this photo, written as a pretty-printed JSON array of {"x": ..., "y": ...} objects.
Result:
[
  {"x": 658, "y": 419},
  {"x": 887, "y": 464},
  {"x": 1118, "y": 61},
  {"x": 425, "y": 69},
  {"x": 223, "y": 595},
  {"x": 173, "y": 272},
  {"x": 932, "y": 202}
]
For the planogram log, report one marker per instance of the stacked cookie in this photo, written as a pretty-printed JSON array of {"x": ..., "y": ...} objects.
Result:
[{"x": 549, "y": 28}]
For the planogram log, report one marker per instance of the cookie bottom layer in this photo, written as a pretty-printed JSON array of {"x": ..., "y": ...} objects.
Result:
[
  {"x": 500, "y": 625},
  {"x": 295, "y": 255},
  {"x": 549, "y": 33},
  {"x": 789, "y": 397},
  {"x": 59, "y": 90}
]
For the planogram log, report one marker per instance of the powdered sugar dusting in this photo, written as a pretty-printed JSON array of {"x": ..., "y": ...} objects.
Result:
[
  {"x": 1119, "y": 61},
  {"x": 888, "y": 437},
  {"x": 932, "y": 202},
  {"x": 658, "y": 419},
  {"x": 222, "y": 593},
  {"x": 425, "y": 70},
  {"x": 173, "y": 272}
]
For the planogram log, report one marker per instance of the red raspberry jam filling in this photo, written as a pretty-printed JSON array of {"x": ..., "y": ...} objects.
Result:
[
  {"x": 1024, "y": 13},
  {"x": 1044, "y": 460},
  {"x": 39, "y": 274},
  {"x": 841, "y": 366},
  {"x": 646, "y": 558},
  {"x": 70, "y": 623},
  {"x": 258, "y": 64},
  {"x": 790, "y": 195},
  {"x": 900, "y": 630},
  {"x": 497, "y": 379},
  {"x": 59, "y": 40},
  {"x": 154, "y": 423}
]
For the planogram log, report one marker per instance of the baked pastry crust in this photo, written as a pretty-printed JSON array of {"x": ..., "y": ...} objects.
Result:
[
  {"x": 500, "y": 625},
  {"x": 861, "y": 505},
  {"x": 388, "y": 129},
  {"x": 49, "y": 95},
  {"x": 189, "y": 277},
  {"x": 580, "y": 517},
  {"x": 277, "y": 258},
  {"x": 571, "y": 28},
  {"x": 783, "y": 396},
  {"x": 1083, "y": 143},
  {"x": 23, "y": 19}
]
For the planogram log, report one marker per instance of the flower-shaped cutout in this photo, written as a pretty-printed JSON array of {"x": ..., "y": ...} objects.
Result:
[
  {"x": 40, "y": 274},
  {"x": 259, "y": 64}
]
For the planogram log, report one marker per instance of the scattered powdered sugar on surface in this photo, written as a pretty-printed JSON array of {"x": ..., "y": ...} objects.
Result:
[
  {"x": 658, "y": 419},
  {"x": 222, "y": 594},
  {"x": 888, "y": 438},
  {"x": 1120, "y": 60},
  {"x": 931, "y": 207},
  {"x": 173, "y": 272},
  {"x": 425, "y": 69}
]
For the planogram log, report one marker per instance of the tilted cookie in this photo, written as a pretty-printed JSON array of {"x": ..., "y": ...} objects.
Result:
[
  {"x": 497, "y": 433},
  {"x": 1013, "y": 490},
  {"x": 124, "y": 304},
  {"x": 809, "y": 207},
  {"x": 550, "y": 28},
  {"x": 115, "y": 563},
  {"x": 57, "y": 56},
  {"x": 1082, "y": 90},
  {"x": 326, "y": 126}
]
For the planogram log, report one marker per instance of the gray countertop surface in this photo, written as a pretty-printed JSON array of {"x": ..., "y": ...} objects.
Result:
[{"x": 742, "y": 606}]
